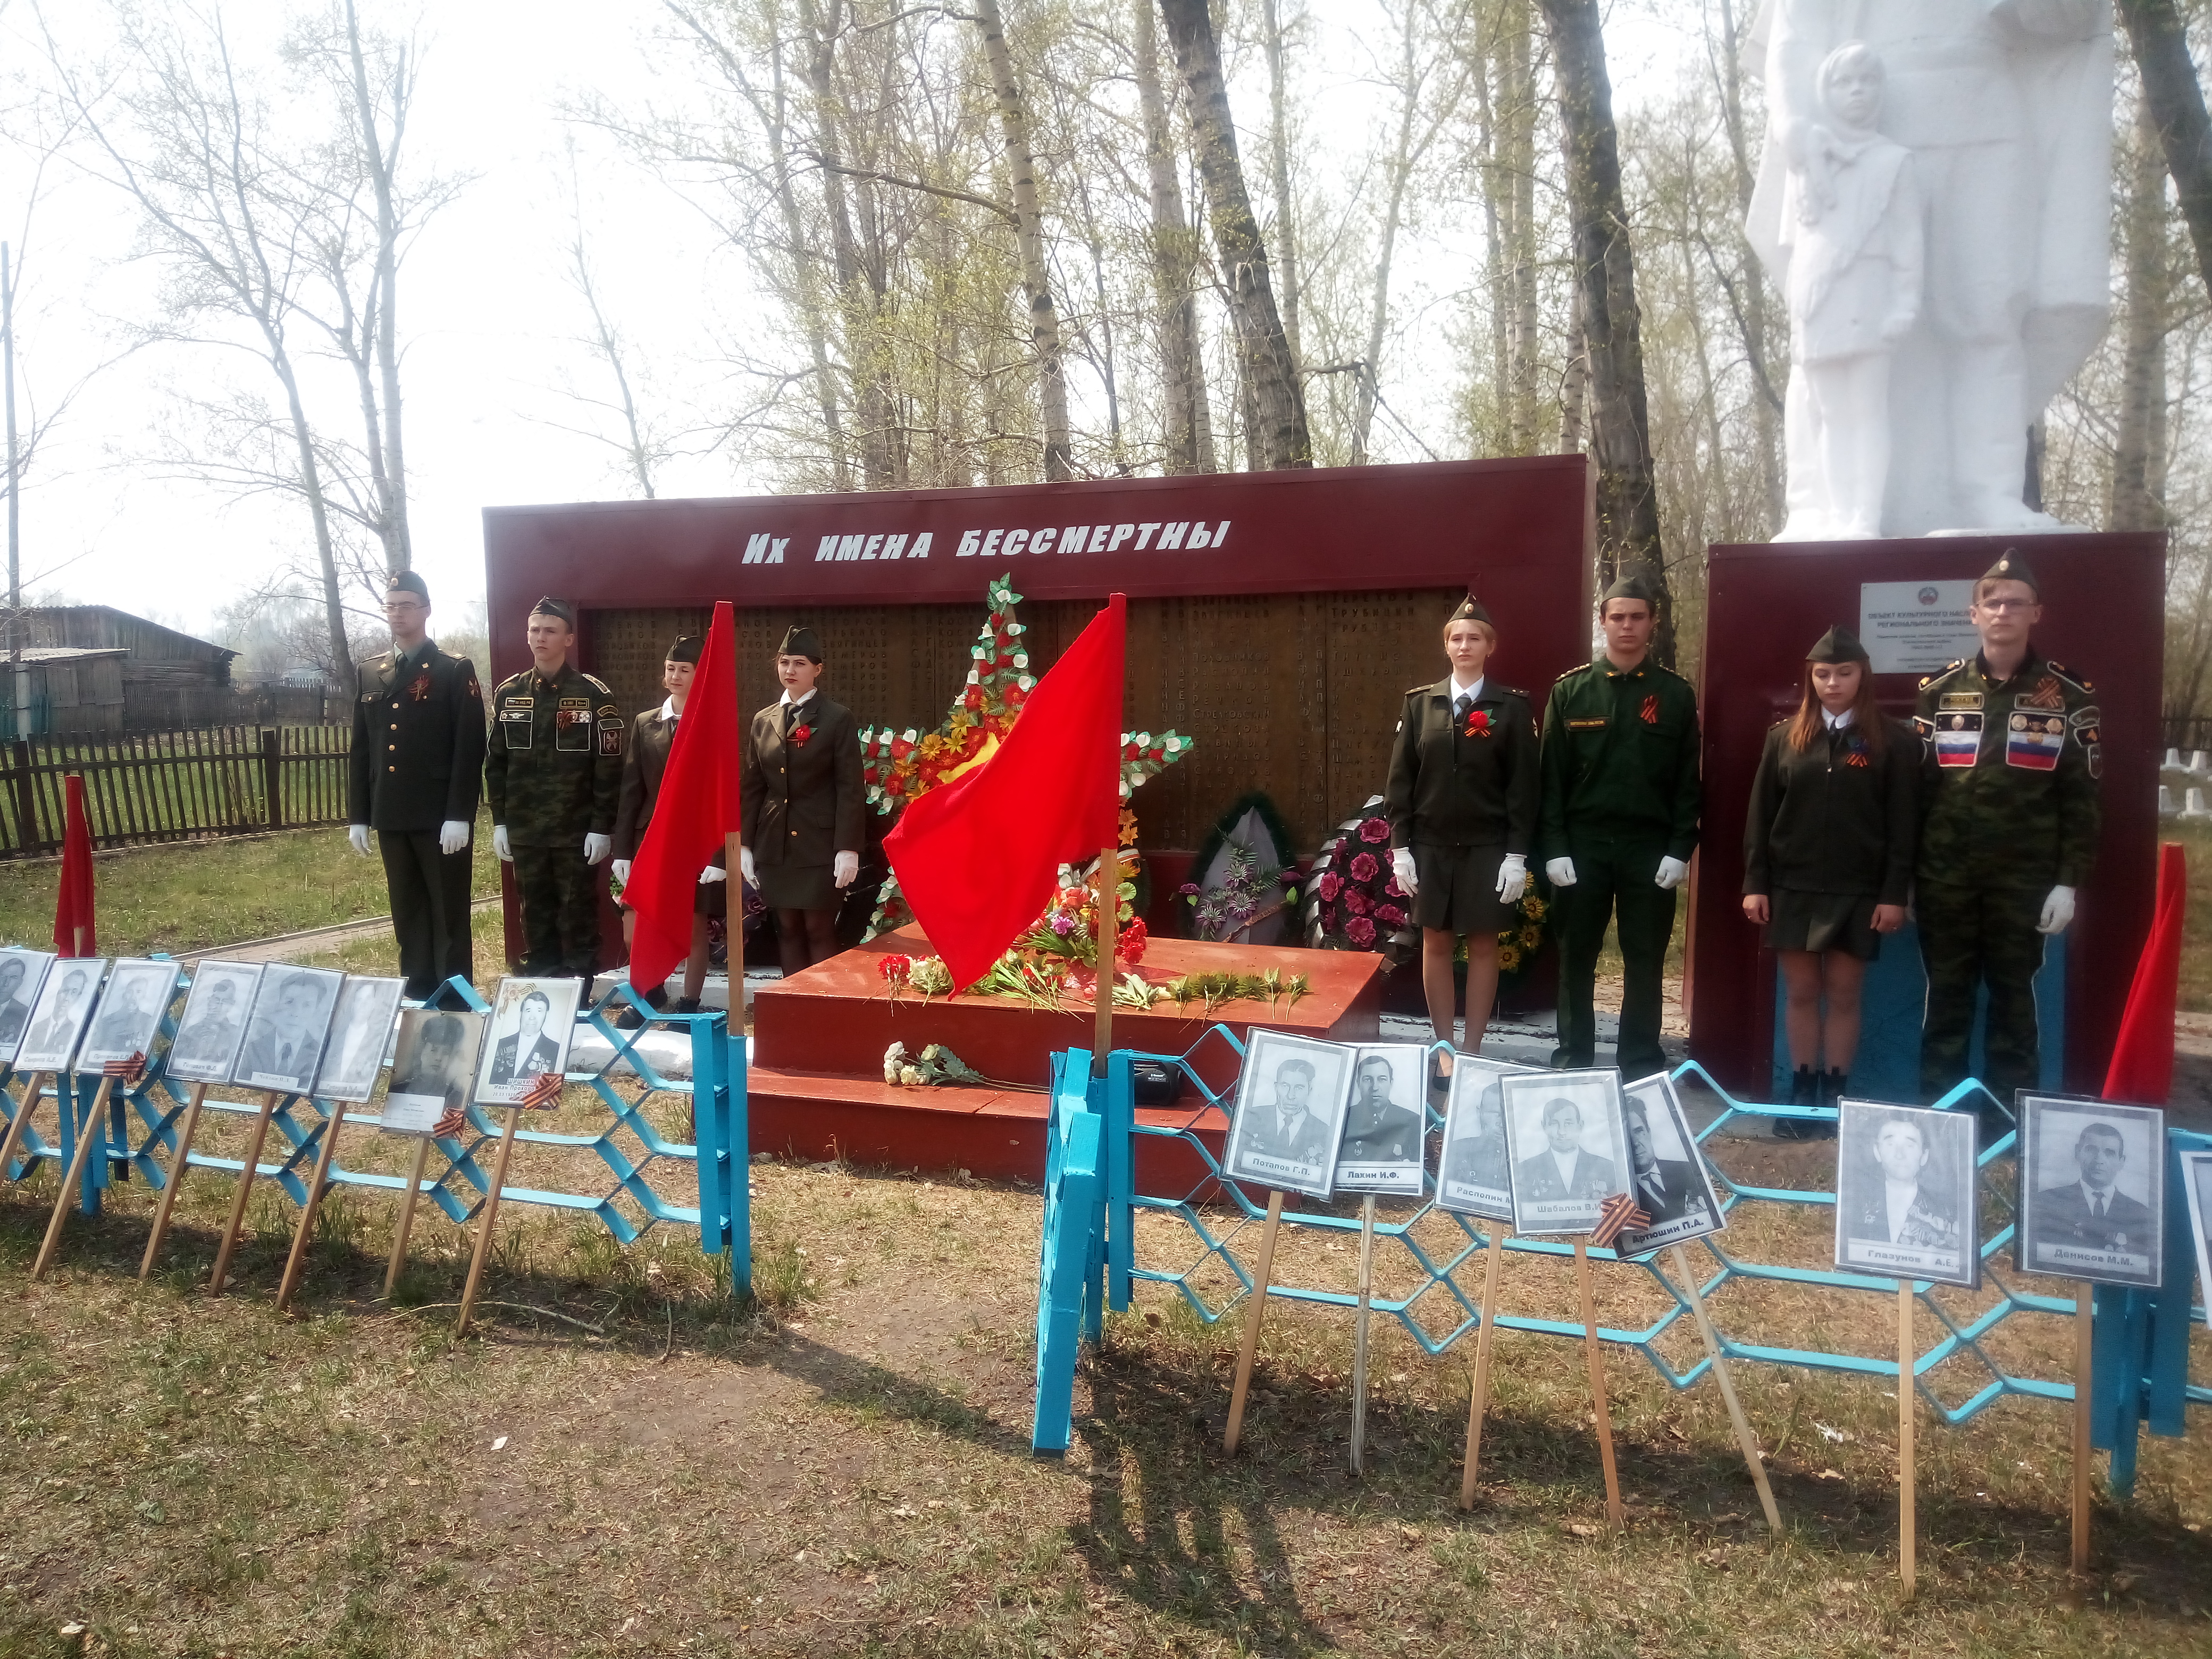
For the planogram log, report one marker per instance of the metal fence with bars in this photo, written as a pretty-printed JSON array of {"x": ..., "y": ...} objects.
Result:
[{"x": 154, "y": 786}]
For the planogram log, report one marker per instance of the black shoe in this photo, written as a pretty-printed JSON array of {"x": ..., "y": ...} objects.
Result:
[
  {"x": 1804, "y": 1091},
  {"x": 1832, "y": 1086},
  {"x": 687, "y": 1005}
]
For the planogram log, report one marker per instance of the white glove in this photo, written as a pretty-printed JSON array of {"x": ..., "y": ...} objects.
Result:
[
  {"x": 1402, "y": 865},
  {"x": 2057, "y": 911},
  {"x": 453, "y": 835},
  {"x": 745, "y": 867},
  {"x": 621, "y": 867},
  {"x": 1671, "y": 872},
  {"x": 499, "y": 845},
  {"x": 357, "y": 834},
  {"x": 1512, "y": 878},
  {"x": 1560, "y": 873},
  {"x": 713, "y": 872},
  {"x": 595, "y": 849},
  {"x": 845, "y": 869}
]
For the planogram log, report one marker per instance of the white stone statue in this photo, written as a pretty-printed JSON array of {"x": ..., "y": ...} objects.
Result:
[{"x": 2005, "y": 106}]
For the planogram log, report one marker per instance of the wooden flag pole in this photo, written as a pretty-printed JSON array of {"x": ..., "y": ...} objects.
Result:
[
  {"x": 2084, "y": 1334},
  {"x": 18, "y": 1123},
  {"x": 177, "y": 1165},
  {"x": 489, "y": 1216},
  {"x": 1725, "y": 1376},
  {"x": 1252, "y": 1318},
  {"x": 86, "y": 1136},
  {"x": 1359, "y": 1336},
  {"x": 1908, "y": 1528},
  {"x": 297, "y": 1259},
  {"x": 406, "y": 1214},
  {"x": 1107, "y": 890},
  {"x": 244, "y": 1189},
  {"x": 1613, "y": 1512},
  {"x": 1480, "y": 1402}
]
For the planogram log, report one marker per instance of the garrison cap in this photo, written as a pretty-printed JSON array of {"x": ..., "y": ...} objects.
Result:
[
  {"x": 406, "y": 582},
  {"x": 1630, "y": 587},
  {"x": 1839, "y": 644},
  {"x": 799, "y": 640},
  {"x": 549, "y": 606},
  {"x": 1471, "y": 609},
  {"x": 2011, "y": 568},
  {"x": 686, "y": 648}
]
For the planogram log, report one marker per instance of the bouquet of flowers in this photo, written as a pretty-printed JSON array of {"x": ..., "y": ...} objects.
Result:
[
  {"x": 1517, "y": 945},
  {"x": 1245, "y": 894},
  {"x": 1353, "y": 902}
]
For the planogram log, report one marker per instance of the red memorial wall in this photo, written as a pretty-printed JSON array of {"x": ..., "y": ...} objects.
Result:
[{"x": 2103, "y": 618}]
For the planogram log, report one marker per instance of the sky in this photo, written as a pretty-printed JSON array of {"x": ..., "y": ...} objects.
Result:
[{"x": 488, "y": 318}]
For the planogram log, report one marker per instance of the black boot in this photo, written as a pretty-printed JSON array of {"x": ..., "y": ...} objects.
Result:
[
  {"x": 1833, "y": 1085},
  {"x": 687, "y": 1005},
  {"x": 1804, "y": 1091}
]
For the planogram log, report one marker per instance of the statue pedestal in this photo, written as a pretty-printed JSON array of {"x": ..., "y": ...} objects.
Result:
[{"x": 2103, "y": 618}]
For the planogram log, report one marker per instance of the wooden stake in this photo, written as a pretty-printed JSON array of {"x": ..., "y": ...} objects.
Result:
[
  {"x": 20, "y": 1121},
  {"x": 1480, "y": 1402},
  {"x": 407, "y": 1212},
  {"x": 298, "y": 1259},
  {"x": 176, "y": 1179},
  {"x": 245, "y": 1188},
  {"x": 86, "y": 1136},
  {"x": 1908, "y": 1529},
  {"x": 1592, "y": 1351},
  {"x": 1252, "y": 1318},
  {"x": 1359, "y": 1336},
  {"x": 1107, "y": 888},
  {"x": 1725, "y": 1378},
  {"x": 2084, "y": 1333},
  {"x": 489, "y": 1216}
]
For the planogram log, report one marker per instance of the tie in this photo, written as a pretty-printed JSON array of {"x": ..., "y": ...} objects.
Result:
[
  {"x": 1460, "y": 709},
  {"x": 2097, "y": 1206},
  {"x": 790, "y": 717}
]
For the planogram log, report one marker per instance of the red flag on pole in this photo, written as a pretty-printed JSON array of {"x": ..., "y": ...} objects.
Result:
[
  {"x": 978, "y": 858},
  {"x": 2142, "y": 1057},
  {"x": 696, "y": 812},
  {"x": 73, "y": 929}
]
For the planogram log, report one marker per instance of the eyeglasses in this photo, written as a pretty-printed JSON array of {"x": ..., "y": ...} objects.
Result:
[{"x": 1998, "y": 607}]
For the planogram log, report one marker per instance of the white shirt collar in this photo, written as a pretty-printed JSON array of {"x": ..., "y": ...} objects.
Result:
[
  {"x": 1474, "y": 690},
  {"x": 668, "y": 708},
  {"x": 1898, "y": 1197},
  {"x": 1838, "y": 722},
  {"x": 2091, "y": 1195},
  {"x": 1566, "y": 1161},
  {"x": 787, "y": 698}
]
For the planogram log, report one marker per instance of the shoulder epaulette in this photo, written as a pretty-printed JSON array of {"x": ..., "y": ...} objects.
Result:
[
  {"x": 511, "y": 679},
  {"x": 2066, "y": 674},
  {"x": 1945, "y": 672},
  {"x": 1579, "y": 668},
  {"x": 1419, "y": 691},
  {"x": 596, "y": 683},
  {"x": 1512, "y": 691}
]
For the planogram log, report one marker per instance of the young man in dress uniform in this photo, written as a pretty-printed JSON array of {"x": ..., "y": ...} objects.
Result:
[
  {"x": 554, "y": 774},
  {"x": 2013, "y": 754},
  {"x": 1618, "y": 823},
  {"x": 801, "y": 800},
  {"x": 415, "y": 774}
]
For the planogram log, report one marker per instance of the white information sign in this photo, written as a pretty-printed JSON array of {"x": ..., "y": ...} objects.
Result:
[{"x": 1916, "y": 628}]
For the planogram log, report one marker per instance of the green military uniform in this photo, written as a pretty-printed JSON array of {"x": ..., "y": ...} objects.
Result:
[
  {"x": 1621, "y": 792},
  {"x": 2010, "y": 811},
  {"x": 553, "y": 772}
]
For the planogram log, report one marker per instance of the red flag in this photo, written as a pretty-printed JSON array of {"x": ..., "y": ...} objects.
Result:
[
  {"x": 2142, "y": 1057},
  {"x": 73, "y": 929},
  {"x": 693, "y": 815},
  {"x": 978, "y": 858}
]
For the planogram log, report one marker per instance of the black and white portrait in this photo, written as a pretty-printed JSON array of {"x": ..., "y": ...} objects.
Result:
[
  {"x": 1667, "y": 1175},
  {"x": 130, "y": 1013},
  {"x": 531, "y": 1022},
  {"x": 1290, "y": 1113},
  {"x": 432, "y": 1062},
  {"x": 58, "y": 1018},
  {"x": 1473, "y": 1176},
  {"x": 1904, "y": 1192},
  {"x": 1385, "y": 1121},
  {"x": 2092, "y": 1191},
  {"x": 285, "y": 1026},
  {"x": 214, "y": 1024},
  {"x": 359, "y": 1033},
  {"x": 1562, "y": 1133},
  {"x": 2197, "y": 1183},
  {"x": 21, "y": 973}
]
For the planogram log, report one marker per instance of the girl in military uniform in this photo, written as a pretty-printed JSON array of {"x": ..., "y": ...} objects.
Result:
[
  {"x": 652, "y": 735},
  {"x": 1461, "y": 802},
  {"x": 803, "y": 802},
  {"x": 1828, "y": 846}
]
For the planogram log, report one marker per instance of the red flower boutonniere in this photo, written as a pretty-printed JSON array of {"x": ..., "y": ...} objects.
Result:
[
  {"x": 799, "y": 736},
  {"x": 568, "y": 717},
  {"x": 420, "y": 689},
  {"x": 1478, "y": 723},
  {"x": 1652, "y": 710}
]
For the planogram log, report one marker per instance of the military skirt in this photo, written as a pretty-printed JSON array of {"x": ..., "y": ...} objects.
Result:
[
  {"x": 1822, "y": 922},
  {"x": 798, "y": 886},
  {"x": 1458, "y": 888}
]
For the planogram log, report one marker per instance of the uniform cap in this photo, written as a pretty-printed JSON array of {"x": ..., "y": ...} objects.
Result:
[
  {"x": 800, "y": 641},
  {"x": 2011, "y": 568},
  {"x": 686, "y": 648},
  {"x": 406, "y": 582},
  {"x": 1630, "y": 587},
  {"x": 444, "y": 1029},
  {"x": 1471, "y": 609},
  {"x": 549, "y": 606},
  {"x": 1839, "y": 644}
]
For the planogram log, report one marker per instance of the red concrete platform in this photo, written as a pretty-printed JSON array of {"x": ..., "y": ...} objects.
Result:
[{"x": 816, "y": 1086}]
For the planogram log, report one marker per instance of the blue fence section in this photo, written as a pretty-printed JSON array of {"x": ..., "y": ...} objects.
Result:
[{"x": 141, "y": 1129}]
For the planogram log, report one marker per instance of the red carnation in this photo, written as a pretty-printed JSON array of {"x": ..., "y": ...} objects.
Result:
[
  {"x": 800, "y": 735},
  {"x": 1330, "y": 885},
  {"x": 1375, "y": 831},
  {"x": 1363, "y": 867},
  {"x": 896, "y": 969},
  {"x": 1390, "y": 915},
  {"x": 1478, "y": 722},
  {"x": 1361, "y": 931},
  {"x": 1135, "y": 939},
  {"x": 1355, "y": 900}
]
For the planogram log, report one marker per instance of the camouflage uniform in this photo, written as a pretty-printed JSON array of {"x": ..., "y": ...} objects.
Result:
[
  {"x": 2010, "y": 799},
  {"x": 553, "y": 774}
]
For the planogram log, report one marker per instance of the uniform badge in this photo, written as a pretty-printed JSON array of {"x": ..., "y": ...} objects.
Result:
[
  {"x": 2046, "y": 694},
  {"x": 796, "y": 737},
  {"x": 2032, "y": 742},
  {"x": 1478, "y": 723},
  {"x": 1586, "y": 725},
  {"x": 517, "y": 724},
  {"x": 611, "y": 741},
  {"x": 1958, "y": 739},
  {"x": 2088, "y": 714},
  {"x": 1652, "y": 709},
  {"x": 419, "y": 688},
  {"x": 1950, "y": 700}
]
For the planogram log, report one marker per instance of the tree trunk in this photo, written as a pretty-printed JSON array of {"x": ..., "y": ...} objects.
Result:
[
  {"x": 387, "y": 461},
  {"x": 1280, "y": 436},
  {"x": 1605, "y": 272},
  {"x": 1279, "y": 148},
  {"x": 1574, "y": 383},
  {"x": 1516, "y": 120},
  {"x": 1190, "y": 436},
  {"x": 1486, "y": 49},
  {"x": 311, "y": 485},
  {"x": 1750, "y": 277},
  {"x": 2170, "y": 87},
  {"x": 2137, "y": 486},
  {"x": 1028, "y": 240}
]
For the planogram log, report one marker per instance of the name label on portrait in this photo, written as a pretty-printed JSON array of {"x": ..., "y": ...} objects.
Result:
[
  {"x": 1916, "y": 628},
  {"x": 1301, "y": 1175},
  {"x": 1867, "y": 1253},
  {"x": 411, "y": 1115},
  {"x": 1378, "y": 1178}
]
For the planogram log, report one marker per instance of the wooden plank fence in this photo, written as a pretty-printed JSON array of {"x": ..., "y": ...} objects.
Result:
[{"x": 152, "y": 787}]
